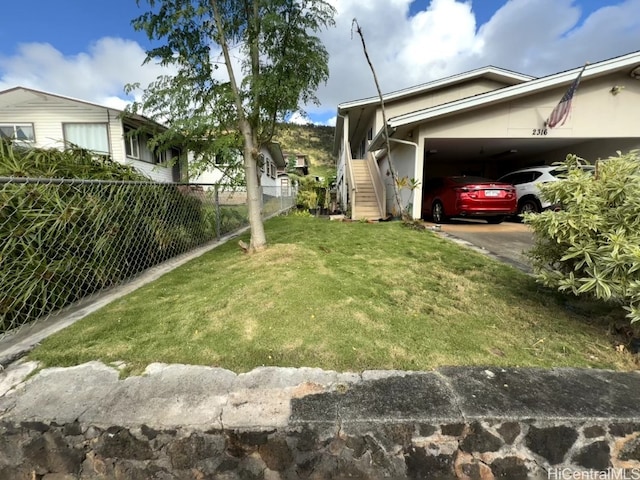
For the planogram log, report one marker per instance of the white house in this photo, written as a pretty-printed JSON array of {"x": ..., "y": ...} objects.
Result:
[
  {"x": 485, "y": 122},
  {"x": 273, "y": 164},
  {"x": 47, "y": 120}
]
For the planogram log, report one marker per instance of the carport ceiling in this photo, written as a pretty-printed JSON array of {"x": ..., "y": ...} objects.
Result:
[{"x": 450, "y": 150}]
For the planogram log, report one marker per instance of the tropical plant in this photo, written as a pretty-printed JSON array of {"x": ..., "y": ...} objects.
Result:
[
  {"x": 591, "y": 245},
  {"x": 308, "y": 199},
  {"x": 65, "y": 239},
  {"x": 406, "y": 183},
  {"x": 282, "y": 63}
]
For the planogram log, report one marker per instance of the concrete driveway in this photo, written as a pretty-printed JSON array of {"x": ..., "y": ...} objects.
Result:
[{"x": 506, "y": 241}]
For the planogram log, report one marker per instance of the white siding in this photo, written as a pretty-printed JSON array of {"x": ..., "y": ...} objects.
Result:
[
  {"x": 159, "y": 173},
  {"x": 215, "y": 175},
  {"x": 266, "y": 180},
  {"x": 49, "y": 113}
]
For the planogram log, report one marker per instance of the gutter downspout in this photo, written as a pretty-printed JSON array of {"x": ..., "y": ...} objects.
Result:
[{"x": 417, "y": 169}]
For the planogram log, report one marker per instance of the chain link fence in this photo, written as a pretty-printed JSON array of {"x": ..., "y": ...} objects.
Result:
[{"x": 62, "y": 240}]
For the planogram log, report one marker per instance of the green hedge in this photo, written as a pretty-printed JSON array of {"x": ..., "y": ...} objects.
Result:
[{"x": 62, "y": 241}]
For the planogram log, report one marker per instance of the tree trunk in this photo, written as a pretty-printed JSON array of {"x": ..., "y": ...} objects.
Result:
[
  {"x": 251, "y": 148},
  {"x": 254, "y": 193}
]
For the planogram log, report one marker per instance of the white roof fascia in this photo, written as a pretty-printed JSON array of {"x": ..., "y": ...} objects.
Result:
[
  {"x": 515, "y": 90},
  {"x": 434, "y": 85}
]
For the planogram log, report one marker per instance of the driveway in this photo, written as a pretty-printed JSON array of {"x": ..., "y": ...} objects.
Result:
[{"x": 506, "y": 241}]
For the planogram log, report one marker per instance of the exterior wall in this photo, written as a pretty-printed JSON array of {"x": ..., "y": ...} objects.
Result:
[
  {"x": 595, "y": 113},
  {"x": 217, "y": 175},
  {"x": 403, "y": 158},
  {"x": 49, "y": 113},
  {"x": 269, "y": 176},
  {"x": 157, "y": 172},
  {"x": 212, "y": 175}
]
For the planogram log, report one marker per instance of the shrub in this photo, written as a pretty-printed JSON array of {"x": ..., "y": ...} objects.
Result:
[
  {"x": 591, "y": 245},
  {"x": 65, "y": 240}
]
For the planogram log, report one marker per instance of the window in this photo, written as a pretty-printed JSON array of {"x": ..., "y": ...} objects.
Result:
[
  {"x": 370, "y": 134},
  {"x": 518, "y": 178},
  {"x": 131, "y": 143},
  {"x": 219, "y": 159},
  {"x": 167, "y": 155},
  {"x": 162, "y": 157},
  {"x": 20, "y": 132},
  {"x": 92, "y": 136}
]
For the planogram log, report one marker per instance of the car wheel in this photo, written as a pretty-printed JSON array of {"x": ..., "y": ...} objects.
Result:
[
  {"x": 530, "y": 205},
  {"x": 495, "y": 220},
  {"x": 437, "y": 212}
]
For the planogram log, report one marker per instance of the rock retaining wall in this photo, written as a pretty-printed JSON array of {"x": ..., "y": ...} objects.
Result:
[
  {"x": 480, "y": 450},
  {"x": 180, "y": 422}
]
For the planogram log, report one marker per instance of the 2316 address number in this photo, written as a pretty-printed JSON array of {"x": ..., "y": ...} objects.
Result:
[{"x": 539, "y": 131}]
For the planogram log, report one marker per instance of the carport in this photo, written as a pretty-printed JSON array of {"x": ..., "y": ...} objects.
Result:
[{"x": 502, "y": 128}]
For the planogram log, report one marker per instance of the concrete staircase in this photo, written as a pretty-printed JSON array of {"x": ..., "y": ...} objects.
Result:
[{"x": 366, "y": 204}]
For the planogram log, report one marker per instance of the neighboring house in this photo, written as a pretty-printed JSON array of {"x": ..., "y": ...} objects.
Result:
[
  {"x": 301, "y": 165},
  {"x": 46, "y": 120},
  {"x": 484, "y": 122},
  {"x": 273, "y": 164}
]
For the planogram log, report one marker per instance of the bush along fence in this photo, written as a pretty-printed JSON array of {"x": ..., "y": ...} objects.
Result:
[{"x": 65, "y": 239}]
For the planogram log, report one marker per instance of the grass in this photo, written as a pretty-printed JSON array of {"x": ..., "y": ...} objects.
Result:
[{"x": 342, "y": 296}]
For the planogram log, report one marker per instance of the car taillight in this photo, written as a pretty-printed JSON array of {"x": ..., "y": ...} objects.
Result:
[{"x": 465, "y": 192}]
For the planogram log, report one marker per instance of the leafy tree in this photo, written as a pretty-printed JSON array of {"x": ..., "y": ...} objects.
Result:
[
  {"x": 281, "y": 64},
  {"x": 591, "y": 245}
]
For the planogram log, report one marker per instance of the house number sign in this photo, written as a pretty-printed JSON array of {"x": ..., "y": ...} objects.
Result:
[{"x": 536, "y": 132}]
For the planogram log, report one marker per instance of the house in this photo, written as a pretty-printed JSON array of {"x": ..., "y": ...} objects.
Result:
[
  {"x": 45, "y": 120},
  {"x": 301, "y": 165},
  {"x": 483, "y": 122},
  {"x": 272, "y": 171}
]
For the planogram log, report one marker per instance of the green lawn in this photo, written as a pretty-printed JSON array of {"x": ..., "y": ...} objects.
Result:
[{"x": 343, "y": 296}]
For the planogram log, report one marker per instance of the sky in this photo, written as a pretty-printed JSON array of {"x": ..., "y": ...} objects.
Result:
[{"x": 87, "y": 49}]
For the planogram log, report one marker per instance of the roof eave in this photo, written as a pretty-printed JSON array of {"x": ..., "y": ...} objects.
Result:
[
  {"x": 425, "y": 87},
  {"x": 506, "y": 93}
]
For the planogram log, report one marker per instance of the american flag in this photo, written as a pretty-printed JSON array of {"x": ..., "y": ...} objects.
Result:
[{"x": 561, "y": 112}]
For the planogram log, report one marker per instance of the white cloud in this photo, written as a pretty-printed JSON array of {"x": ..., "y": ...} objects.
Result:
[
  {"x": 98, "y": 75},
  {"x": 536, "y": 37},
  {"x": 298, "y": 119}
]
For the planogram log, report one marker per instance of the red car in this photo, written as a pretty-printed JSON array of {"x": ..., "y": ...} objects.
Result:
[{"x": 463, "y": 196}]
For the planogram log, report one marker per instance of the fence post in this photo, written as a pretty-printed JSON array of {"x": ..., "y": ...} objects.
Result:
[{"x": 218, "y": 222}]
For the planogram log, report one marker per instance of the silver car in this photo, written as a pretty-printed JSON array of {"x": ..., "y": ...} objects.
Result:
[{"x": 527, "y": 180}]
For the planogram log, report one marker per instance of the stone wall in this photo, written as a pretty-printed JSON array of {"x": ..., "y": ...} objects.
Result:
[
  {"x": 480, "y": 450},
  {"x": 180, "y": 422}
]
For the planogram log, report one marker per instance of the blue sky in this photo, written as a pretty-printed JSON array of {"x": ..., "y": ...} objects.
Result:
[{"x": 88, "y": 49}]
